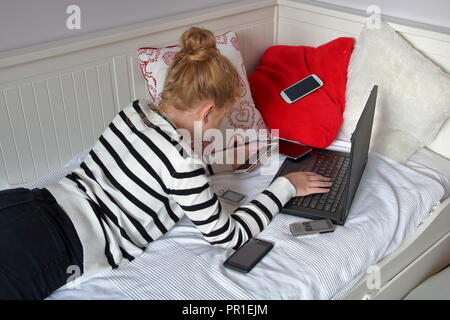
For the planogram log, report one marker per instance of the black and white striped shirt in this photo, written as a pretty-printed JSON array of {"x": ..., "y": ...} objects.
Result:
[{"x": 137, "y": 182}]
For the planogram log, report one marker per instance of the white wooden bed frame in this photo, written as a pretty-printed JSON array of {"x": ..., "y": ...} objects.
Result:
[{"x": 57, "y": 98}]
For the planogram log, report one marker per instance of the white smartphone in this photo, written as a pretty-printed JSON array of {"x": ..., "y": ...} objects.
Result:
[
  {"x": 257, "y": 157},
  {"x": 301, "y": 88},
  {"x": 231, "y": 196}
]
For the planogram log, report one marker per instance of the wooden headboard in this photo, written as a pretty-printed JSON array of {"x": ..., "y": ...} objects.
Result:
[{"x": 57, "y": 98}]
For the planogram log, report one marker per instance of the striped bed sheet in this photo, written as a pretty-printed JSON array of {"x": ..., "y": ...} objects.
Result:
[{"x": 392, "y": 200}]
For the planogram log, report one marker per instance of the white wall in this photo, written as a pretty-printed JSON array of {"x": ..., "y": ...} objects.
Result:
[
  {"x": 433, "y": 12},
  {"x": 27, "y": 22}
]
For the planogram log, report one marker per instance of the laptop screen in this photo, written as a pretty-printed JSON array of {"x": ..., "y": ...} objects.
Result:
[{"x": 360, "y": 147}]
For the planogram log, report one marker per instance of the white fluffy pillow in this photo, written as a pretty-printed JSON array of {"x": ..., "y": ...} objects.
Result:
[
  {"x": 413, "y": 95},
  {"x": 441, "y": 144}
]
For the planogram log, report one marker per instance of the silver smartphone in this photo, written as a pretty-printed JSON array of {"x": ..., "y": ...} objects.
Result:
[
  {"x": 257, "y": 157},
  {"x": 315, "y": 226},
  {"x": 231, "y": 196},
  {"x": 301, "y": 88}
]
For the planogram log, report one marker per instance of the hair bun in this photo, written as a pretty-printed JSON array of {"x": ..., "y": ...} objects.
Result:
[{"x": 198, "y": 44}]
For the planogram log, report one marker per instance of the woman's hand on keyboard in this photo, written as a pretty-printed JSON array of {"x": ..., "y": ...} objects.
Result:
[{"x": 306, "y": 183}]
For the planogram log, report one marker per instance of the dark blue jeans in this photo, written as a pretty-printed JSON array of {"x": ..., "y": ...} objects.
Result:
[{"x": 39, "y": 247}]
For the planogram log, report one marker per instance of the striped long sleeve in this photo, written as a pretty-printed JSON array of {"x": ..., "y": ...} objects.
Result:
[
  {"x": 228, "y": 229},
  {"x": 136, "y": 183}
]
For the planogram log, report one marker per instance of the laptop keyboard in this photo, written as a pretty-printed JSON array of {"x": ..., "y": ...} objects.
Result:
[{"x": 334, "y": 167}]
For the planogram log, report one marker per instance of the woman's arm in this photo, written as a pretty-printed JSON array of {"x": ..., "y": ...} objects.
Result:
[{"x": 221, "y": 228}]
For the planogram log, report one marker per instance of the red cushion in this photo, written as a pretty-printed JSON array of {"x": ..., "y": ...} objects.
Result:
[{"x": 315, "y": 119}]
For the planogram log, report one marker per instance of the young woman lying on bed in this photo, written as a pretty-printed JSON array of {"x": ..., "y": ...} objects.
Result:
[{"x": 135, "y": 184}]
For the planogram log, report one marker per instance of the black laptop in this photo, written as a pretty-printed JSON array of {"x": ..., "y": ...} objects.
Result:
[{"x": 345, "y": 169}]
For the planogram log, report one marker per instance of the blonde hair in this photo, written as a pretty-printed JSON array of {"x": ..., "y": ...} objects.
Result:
[{"x": 199, "y": 72}]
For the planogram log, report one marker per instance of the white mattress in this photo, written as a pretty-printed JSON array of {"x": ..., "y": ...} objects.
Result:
[{"x": 390, "y": 203}]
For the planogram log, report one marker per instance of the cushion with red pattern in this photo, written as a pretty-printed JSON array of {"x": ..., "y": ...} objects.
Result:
[{"x": 154, "y": 63}]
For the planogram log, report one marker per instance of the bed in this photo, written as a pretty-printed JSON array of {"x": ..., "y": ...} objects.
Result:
[
  {"x": 65, "y": 93},
  {"x": 392, "y": 201}
]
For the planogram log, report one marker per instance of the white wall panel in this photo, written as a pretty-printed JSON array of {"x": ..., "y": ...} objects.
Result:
[
  {"x": 30, "y": 97},
  {"x": 60, "y": 120},
  {"x": 11, "y": 171},
  {"x": 3, "y": 172},
  {"x": 84, "y": 108},
  {"x": 95, "y": 101},
  {"x": 73, "y": 117},
  {"x": 122, "y": 80},
  {"x": 20, "y": 133},
  {"x": 107, "y": 92},
  {"x": 47, "y": 123}
]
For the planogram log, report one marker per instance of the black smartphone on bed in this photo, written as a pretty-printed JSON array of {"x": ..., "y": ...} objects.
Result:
[{"x": 248, "y": 255}]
